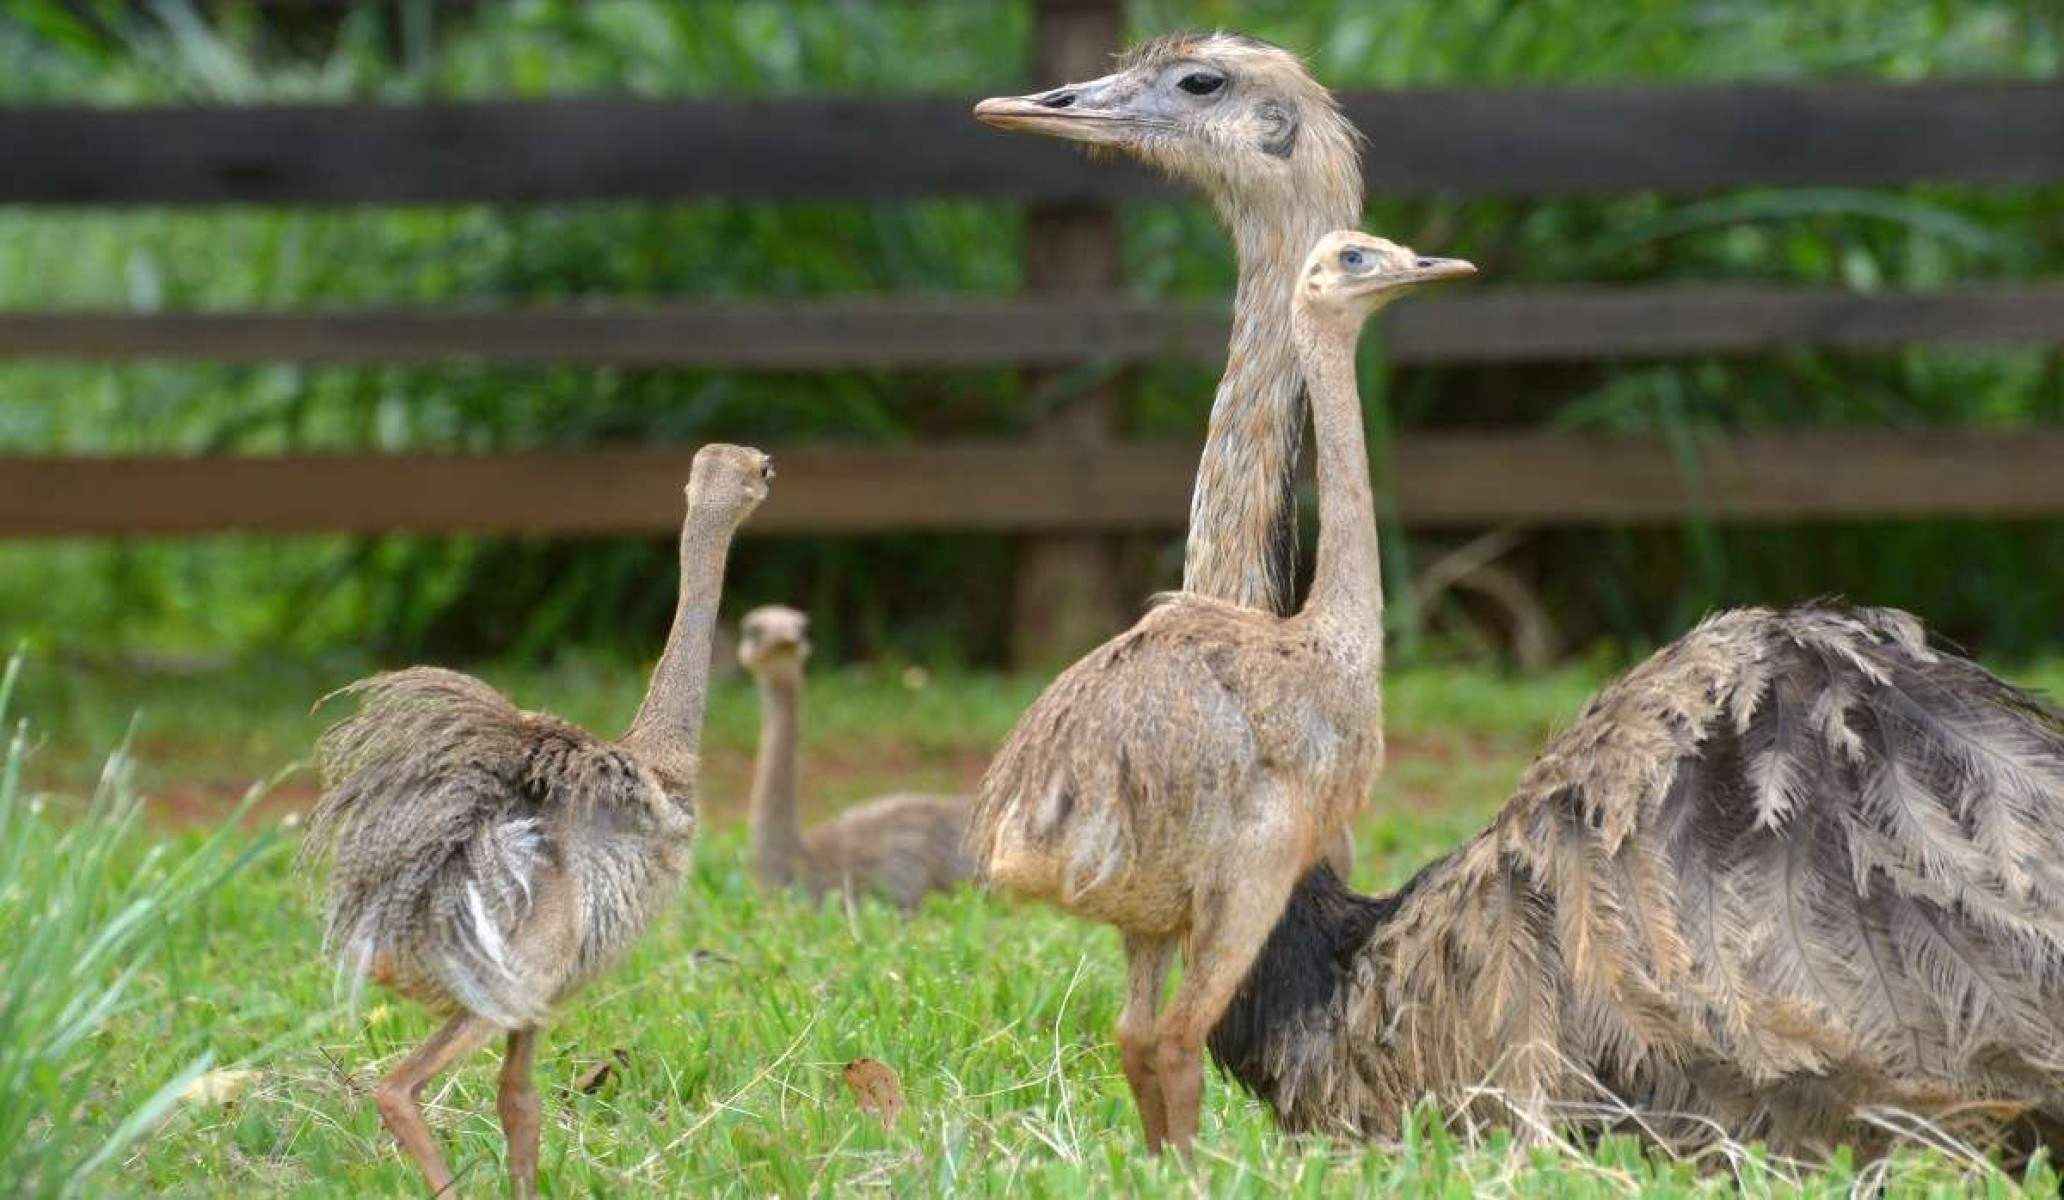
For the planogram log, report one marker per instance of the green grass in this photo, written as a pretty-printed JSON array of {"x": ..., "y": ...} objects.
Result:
[{"x": 738, "y": 1011}]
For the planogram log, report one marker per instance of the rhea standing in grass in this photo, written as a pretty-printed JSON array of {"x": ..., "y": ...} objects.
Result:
[
  {"x": 1179, "y": 779},
  {"x": 1244, "y": 123},
  {"x": 487, "y": 861},
  {"x": 898, "y": 847}
]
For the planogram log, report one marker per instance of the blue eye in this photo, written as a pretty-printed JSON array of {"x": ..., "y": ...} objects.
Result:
[{"x": 1352, "y": 259}]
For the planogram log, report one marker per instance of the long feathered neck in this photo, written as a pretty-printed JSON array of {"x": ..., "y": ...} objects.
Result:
[
  {"x": 1347, "y": 584},
  {"x": 1243, "y": 514},
  {"x": 777, "y": 832},
  {"x": 667, "y": 731}
]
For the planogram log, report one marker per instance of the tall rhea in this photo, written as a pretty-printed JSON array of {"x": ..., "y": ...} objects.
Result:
[
  {"x": 487, "y": 861},
  {"x": 1794, "y": 872},
  {"x": 1245, "y": 123},
  {"x": 899, "y": 847},
  {"x": 1178, "y": 780}
]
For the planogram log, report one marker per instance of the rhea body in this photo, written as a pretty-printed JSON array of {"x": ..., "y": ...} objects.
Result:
[
  {"x": 1177, "y": 781},
  {"x": 486, "y": 861},
  {"x": 898, "y": 847},
  {"x": 1792, "y": 876}
]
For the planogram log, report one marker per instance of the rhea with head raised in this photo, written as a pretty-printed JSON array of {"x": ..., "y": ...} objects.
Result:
[
  {"x": 1177, "y": 781},
  {"x": 897, "y": 847},
  {"x": 487, "y": 861},
  {"x": 1243, "y": 122}
]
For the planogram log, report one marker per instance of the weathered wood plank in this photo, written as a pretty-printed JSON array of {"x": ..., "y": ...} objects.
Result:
[
  {"x": 1439, "y": 479},
  {"x": 1556, "y": 141},
  {"x": 1462, "y": 326},
  {"x": 1064, "y": 597}
]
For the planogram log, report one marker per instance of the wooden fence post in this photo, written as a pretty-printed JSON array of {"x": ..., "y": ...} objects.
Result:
[{"x": 1066, "y": 596}]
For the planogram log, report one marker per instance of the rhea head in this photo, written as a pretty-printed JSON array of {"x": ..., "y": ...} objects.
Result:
[
  {"x": 726, "y": 483},
  {"x": 1351, "y": 274},
  {"x": 774, "y": 642},
  {"x": 1226, "y": 112}
]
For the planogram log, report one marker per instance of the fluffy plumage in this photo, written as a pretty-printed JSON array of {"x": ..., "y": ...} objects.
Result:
[
  {"x": 1797, "y": 866},
  {"x": 900, "y": 847},
  {"x": 446, "y": 814},
  {"x": 1151, "y": 748}
]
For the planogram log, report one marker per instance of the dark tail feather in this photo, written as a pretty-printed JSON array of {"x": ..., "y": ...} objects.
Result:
[{"x": 1295, "y": 980}]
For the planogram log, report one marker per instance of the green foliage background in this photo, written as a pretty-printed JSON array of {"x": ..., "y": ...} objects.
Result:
[{"x": 1994, "y": 586}]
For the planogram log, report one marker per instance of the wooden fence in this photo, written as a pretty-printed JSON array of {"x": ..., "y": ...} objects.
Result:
[{"x": 1074, "y": 479}]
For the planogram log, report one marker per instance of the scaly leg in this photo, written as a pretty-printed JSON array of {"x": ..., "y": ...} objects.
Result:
[
  {"x": 1235, "y": 913},
  {"x": 1146, "y": 966},
  {"x": 396, "y": 1095},
  {"x": 521, "y": 1113}
]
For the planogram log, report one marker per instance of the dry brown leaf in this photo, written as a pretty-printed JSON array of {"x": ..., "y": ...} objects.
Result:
[
  {"x": 591, "y": 1080},
  {"x": 875, "y": 1089}
]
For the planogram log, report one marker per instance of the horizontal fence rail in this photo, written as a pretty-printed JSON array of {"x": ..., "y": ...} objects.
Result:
[
  {"x": 1510, "y": 324},
  {"x": 1560, "y": 141},
  {"x": 1435, "y": 480}
]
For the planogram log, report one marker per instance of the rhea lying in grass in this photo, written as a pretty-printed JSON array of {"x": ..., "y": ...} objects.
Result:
[
  {"x": 487, "y": 861},
  {"x": 1798, "y": 877},
  {"x": 899, "y": 847}
]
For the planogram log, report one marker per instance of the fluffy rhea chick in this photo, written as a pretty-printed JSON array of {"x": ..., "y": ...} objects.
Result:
[
  {"x": 487, "y": 861},
  {"x": 1177, "y": 781},
  {"x": 898, "y": 847}
]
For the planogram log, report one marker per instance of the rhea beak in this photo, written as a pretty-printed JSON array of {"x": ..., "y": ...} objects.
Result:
[
  {"x": 1089, "y": 112},
  {"x": 1433, "y": 270},
  {"x": 1422, "y": 271}
]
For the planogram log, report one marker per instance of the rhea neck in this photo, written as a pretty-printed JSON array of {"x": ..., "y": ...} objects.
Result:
[
  {"x": 1243, "y": 514},
  {"x": 667, "y": 730},
  {"x": 1347, "y": 583},
  {"x": 777, "y": 832}
]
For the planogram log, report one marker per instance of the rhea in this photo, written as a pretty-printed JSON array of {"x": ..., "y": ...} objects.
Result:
[
  {"x": 1243, "y": 122},
  {"x": 1177, "y": 781},
  {"x": 1796, "y": 877},
  {"x": 898, "y": 847},
  {"x": 486, "y": 861}
]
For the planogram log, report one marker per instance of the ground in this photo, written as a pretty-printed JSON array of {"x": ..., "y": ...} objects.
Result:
[{"x": 733, "y": 1021}]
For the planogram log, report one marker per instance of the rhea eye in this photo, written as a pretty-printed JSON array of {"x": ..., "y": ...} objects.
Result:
[
  {"x": 1353, "y": 260},
  {"x": 1201, "y": 83}
]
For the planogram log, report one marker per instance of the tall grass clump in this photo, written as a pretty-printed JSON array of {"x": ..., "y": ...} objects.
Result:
[{"x": 84, "y": 912}]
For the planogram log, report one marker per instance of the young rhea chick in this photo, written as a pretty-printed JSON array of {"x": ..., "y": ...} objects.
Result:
[
  {"x": 1179, "y": 779},
  {"x": 899, "y": 847},
  {"x": 486, "y": 861}
]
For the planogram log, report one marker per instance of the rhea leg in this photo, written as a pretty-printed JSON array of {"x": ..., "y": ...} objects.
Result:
[
  {"x": 1235, "y": 912},
  {"x": 396, "y": 1095},
  {"x": 521, "y": 1114},
  {"x": 1146, "y": 964}
]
